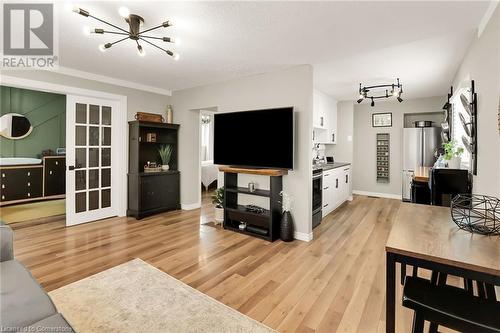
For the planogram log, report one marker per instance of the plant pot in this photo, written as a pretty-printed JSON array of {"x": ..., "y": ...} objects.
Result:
[
  {"x": 165, "y": 167},
  {"x": 286, "y": 229},
  {"x": 455, "y": 162},
  {"x": 219, "y": 214}
]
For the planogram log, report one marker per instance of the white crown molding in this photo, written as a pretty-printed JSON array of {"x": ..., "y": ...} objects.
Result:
[
  {"x": 306, "y": 237},
  {"x": 377, "y": 194},
  {"x": 486, "y": 17},
  {"x": 192, "y": 206},
  {"x": 111, "y": 80}
]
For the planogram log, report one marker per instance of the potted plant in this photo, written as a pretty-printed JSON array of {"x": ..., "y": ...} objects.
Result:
[
  {"x": 453, "y": 154},
  {"x": 218, "y": 201},
  {"x": 165, "y": 152},
  {"x": 286, "y": 227}
]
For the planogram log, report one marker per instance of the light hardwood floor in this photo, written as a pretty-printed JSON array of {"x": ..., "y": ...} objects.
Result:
[{"x": 335, "y": 283}]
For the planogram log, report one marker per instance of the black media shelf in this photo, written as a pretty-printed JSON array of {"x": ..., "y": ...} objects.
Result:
[
  {"x": 244, "y": 190},
  {"x": 268, "y": 222}
]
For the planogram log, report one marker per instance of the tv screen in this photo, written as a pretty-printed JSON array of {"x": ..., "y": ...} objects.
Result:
[{"x": 261, "y": 139}]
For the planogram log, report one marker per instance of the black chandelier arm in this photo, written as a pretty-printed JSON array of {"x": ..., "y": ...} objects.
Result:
[
  {"x": 165, "y": 39},
  {"x": 150, "y": 29},
  {"x": 158, "y": 47},
  {"x": 110, "y": 24},
  {"x": 115, "y": 33},
  {"x": 118, "y": 41}
]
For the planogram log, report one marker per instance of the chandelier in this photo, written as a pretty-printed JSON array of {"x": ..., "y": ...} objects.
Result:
[
  {"x": 391, "y": 90},
  {"x": 134, "y": 32}
]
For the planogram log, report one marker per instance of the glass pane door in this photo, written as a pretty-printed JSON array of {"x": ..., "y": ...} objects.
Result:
[{"x": 89, "y": 193}]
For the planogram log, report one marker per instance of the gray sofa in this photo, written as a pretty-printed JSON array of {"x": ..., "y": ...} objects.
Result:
[{"x": 24, "y": 305}]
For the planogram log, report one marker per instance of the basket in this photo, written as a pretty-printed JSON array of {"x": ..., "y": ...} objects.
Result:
[
  {"x": 476, "y": 213},
  {"x": 151, "y": 117}
]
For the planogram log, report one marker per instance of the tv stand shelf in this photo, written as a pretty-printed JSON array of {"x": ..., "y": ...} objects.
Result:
[{"x": 264, "y": 225}]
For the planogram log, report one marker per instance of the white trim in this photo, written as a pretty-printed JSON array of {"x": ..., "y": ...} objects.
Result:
[
  {"x": 111, "y": 80},
  {"x": 349, "y": 198},
  {"x": 378, "y": 194},
  {"x": 302, "y": 236},
  {"x": 486, "y": 17},
  {"x": 122, "y": 167},
  {"x": 191, "y": 206}
]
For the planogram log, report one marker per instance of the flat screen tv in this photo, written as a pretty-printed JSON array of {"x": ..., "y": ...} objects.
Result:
[{"x": 259, "y": 139}]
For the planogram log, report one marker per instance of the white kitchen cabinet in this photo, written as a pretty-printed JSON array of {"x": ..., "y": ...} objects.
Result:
[
  {"x": 336, "y": 188},
  {"x": 324, "y": 118}
]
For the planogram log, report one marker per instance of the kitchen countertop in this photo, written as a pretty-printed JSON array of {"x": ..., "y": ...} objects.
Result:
[{"x": 329, "y": 166}]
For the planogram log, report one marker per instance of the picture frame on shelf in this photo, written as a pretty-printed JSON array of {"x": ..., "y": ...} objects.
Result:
[{"x": 383, "y": 119}]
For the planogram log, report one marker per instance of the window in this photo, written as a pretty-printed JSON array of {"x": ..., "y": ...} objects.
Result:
[{"x": 460, "y": 118}]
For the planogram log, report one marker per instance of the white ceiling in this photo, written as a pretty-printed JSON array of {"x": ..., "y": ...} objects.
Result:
[{"x": 347, "y": 42}]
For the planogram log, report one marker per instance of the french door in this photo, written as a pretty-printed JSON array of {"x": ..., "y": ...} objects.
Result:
[{"x": 90, "y": 143}]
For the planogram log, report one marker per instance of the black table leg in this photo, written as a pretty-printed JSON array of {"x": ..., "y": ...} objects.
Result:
[{"x": 390, "y": 289}]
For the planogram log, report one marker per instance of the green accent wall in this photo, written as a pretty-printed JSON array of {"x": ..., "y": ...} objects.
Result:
[{"x": 46, "y": 113}]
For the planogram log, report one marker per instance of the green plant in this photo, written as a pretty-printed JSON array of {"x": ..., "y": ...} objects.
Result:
[
  {"x": 165, "y": 152},
  {"x": 451, "y": 150},
  {"x": 218, "y": 197}
]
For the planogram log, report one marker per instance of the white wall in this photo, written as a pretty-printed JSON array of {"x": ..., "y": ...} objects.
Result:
[
  {"x": 343, "y": 150},
  {"x": 137, "y": 100},
  {"x": 482, "y": 64},
  {"x": 364, "y": 161},
  {"x": 291, "y": 87}
]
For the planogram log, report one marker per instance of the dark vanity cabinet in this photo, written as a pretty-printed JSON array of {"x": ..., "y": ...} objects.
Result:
[
  {"x": 152, "y": 192},
  {"x": 21, "y": 183},
  {"x": 54, "y": 175}
]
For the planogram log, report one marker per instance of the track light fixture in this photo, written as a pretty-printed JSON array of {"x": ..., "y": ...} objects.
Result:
[
  {"x": 396, "y": 91},
  {"x": 134, "y": 32}
]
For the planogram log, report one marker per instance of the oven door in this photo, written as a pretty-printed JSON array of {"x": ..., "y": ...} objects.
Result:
[{"x": 317, "y": 188}]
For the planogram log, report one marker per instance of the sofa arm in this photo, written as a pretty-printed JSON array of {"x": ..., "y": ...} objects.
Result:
[{"x": 6, "y": 243}]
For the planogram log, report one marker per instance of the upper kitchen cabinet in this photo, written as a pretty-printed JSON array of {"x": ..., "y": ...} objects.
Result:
[{"x": 324, "y": 118}]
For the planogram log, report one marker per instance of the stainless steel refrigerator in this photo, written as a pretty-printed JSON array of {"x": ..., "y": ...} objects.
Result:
[{"x": 419, "y": 145}]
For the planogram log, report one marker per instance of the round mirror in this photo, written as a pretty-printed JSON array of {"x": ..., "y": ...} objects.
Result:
[{"x": 15, "y": 126}]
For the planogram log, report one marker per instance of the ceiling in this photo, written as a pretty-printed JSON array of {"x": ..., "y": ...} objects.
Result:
[{"x": 422, "y": 43}]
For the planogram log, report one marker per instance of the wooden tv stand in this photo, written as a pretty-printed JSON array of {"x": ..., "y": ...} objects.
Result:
[{"x": 265, "y": 225}]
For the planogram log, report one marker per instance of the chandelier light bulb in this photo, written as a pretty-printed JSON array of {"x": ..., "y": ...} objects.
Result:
[
  {"x": 177, "y": 41},
  {"x": 124, "y": 12},
  {"x": 176, "y": 56},
  {"x": 102, "y": 48}
]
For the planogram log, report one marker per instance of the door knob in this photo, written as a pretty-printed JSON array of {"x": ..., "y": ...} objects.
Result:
[{"x": 71, "y": 167}]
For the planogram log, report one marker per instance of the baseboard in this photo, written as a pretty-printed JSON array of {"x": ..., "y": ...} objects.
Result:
[
  {"x": 350, "y": 198},
  {"x": 377, "y": 194},
  {"x": 306, "y": 237},
  {"x": 192, "y": 206}
]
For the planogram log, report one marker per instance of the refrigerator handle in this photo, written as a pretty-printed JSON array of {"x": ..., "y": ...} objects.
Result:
[{"x": 423, "y": 149}]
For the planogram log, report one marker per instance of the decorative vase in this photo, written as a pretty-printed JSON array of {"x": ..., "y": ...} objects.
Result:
[
  {"x": 455, "y": 162},
  {"x": 165, "y": 167},
  {"x": 286, "y": 230},
  {"x": 170, "y": 115},
  {"x": 219, "y": 214}
]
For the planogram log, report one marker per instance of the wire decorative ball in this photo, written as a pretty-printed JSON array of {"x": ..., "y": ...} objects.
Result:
[{"x": 476, "y": 213}]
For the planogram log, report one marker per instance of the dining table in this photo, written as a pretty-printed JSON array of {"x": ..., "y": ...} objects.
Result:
[{"x": 426, "y": 237}]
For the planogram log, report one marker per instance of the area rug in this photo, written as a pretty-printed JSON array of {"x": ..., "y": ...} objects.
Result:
[{"x": 137, "y": 297}]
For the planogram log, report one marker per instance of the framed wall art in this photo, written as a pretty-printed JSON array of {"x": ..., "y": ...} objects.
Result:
[{"x": 382, "y": 119}]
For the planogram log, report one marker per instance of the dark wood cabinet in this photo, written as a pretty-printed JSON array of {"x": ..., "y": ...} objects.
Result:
[
  {"x": 152, "y": 192},
  {"x": 54, "y": 175},
  {"x": 21, "y": 183}
]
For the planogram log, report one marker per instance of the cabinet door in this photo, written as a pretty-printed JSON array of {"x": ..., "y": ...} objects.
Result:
[
  {"x": 345, "y": 187},
  {"x": 159, "y": 191},
  {"x": 54, "y": 176},
  {"x": 21, "y": 183}
]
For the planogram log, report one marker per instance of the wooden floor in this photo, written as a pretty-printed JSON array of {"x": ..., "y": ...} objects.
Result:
[{"x": 335, "y": 283}]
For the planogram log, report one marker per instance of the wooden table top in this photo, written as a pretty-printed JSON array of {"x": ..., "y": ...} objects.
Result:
[
  {"x": 421, "y": 174},
  {"x": 429, "y": 233}
]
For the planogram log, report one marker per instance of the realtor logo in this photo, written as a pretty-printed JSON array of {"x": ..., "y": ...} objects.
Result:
[{"x": 28, "y": 35}]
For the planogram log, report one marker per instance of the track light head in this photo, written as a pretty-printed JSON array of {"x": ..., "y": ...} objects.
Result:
[
  {"x": 140, "y": 50},
  {"x": 81, "y": 11},
  {"x": 400, "y": 99},
  {"x": 360, "y": 100},
  {"x": 372, "y": 104}
]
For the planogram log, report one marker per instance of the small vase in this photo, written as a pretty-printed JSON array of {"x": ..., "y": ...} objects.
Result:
[
  {"x": 219, "y": 214},
  {"x": 455, "y": 162},
  {"x": 286, "y": 230},
  {"x": 165, "y": 167}
]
